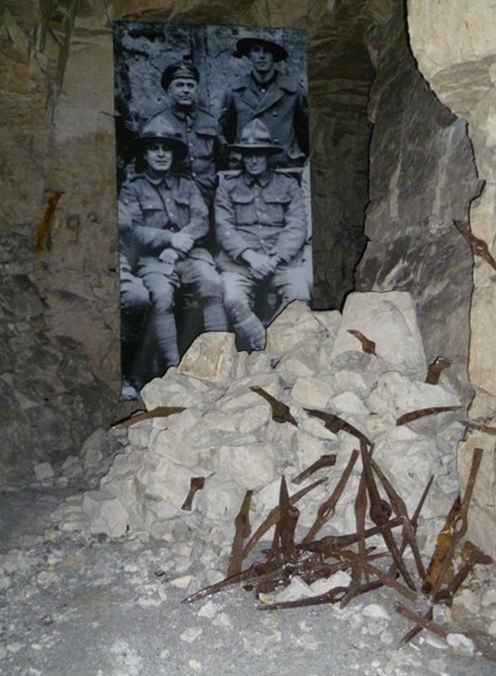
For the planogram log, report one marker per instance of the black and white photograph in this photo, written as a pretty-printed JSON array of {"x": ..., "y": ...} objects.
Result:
[{"x": 213, "y": 181}]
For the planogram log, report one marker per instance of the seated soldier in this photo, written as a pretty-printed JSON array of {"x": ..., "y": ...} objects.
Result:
[
  {"x": 261, "y": 230},
  {"x": 167, "y": 218}
]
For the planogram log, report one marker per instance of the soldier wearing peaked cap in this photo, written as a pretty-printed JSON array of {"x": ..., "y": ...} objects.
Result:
[
  {"x": 197, "y": 126},
  {"x": 162, "y": 220},
  {"x": 268, "y": 95},
  {"x": 261, "y": 229}
]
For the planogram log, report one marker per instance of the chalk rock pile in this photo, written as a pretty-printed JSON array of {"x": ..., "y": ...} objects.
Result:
[{"x": 227, "y": 435}]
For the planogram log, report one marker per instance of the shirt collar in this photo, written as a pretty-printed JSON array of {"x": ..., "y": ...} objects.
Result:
[
  {"x": 265, "y": 84},
  {"x": 262, "y": 181},
  {"x": 166, "y": 182},
  {"x": 183, "y": 114}
]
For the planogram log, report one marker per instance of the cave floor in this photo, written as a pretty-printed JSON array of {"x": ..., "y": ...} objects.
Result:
[{"x": 73, "y": 606}]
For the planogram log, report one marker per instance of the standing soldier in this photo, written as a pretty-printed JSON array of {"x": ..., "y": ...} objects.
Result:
[
  {"x": 271, "y": 97},
  {"x": 261, "y": 230},
  {"x": 197, "y": 126},
  {"x": 163, "y": 219}
]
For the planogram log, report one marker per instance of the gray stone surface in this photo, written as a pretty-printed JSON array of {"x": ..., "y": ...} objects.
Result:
[{"x": 422, "y": 176}]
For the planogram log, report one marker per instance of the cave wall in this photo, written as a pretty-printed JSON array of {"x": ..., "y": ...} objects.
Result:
[
  {"x": 59, "y": 360},
  {"x": 462, "y": 74},
  {"x": 422, "y": 177}
]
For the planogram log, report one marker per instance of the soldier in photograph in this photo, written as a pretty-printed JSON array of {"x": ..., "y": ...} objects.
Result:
[
  {"x": 198, "y": 127},
  {"x": 270, "y": 96},
  {"x": 163, "y": 219},
  {"x": 261, "y": 230}
]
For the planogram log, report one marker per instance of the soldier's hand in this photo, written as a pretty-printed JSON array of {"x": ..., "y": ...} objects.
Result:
[
  {"x": 169, "y": 256},
  {"x": 260, "y": 264},
  {"x": 182, "y": 242}
]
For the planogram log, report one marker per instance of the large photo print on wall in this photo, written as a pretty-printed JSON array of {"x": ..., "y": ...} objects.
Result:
[{"x": 213, "y": 186}]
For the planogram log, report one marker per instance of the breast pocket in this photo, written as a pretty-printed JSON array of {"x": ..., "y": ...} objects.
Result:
[
  {"x": 276, "y": 208},
  {"x": 153, "y": 213},
  {"x": 181, "y": 210},
  {"x": 244, "y": 209}
]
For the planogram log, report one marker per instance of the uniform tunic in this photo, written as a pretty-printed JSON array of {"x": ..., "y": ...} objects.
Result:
[
  {"x": 266, "y": 215},
  {"x": 280, "y": 104},
  {"x": 150, "y": 212},
  {"x": 201, "y": 132}
]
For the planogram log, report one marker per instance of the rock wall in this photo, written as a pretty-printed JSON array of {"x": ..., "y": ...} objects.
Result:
[
  {"x": 462, "y": 73},
  {"x": 422, "y": 176},
  {"x": 57, "y": 136}
]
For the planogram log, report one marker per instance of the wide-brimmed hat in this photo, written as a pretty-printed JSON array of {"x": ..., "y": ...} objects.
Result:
[
  {"x": 256, "y": 136},
  {"x": 244, "y": 45},
  {"x": 177, "y": 70},
  {"x": 158, "y": 128}
]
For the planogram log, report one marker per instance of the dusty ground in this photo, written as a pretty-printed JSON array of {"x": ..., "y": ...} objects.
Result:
[{"x": 77, "y": 606}]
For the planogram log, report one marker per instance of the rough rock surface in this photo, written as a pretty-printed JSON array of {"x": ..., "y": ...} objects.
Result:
[
  {"x": 462, "y": 73},
  {"x": 422, "y": 176}
]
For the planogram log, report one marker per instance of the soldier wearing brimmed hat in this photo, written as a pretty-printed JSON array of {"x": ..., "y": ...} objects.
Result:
[
  {"x": 268, "y": 95},
  {"x": 261, "y": 228},
  {"x": 197, "y": 126},
  {"x": 162, "y": 220}
]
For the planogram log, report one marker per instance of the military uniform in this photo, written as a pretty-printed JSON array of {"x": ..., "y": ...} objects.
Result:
[
  {"x": 150, "y": 212},
  {"x": 266, "y": 215},
  {"x": 200, "y": 131},
  {"x": 281, "y": 105}
]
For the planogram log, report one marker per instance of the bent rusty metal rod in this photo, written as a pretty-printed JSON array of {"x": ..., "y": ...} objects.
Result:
[
  {"x": 273, "y": 517},
  {"x": 423, "y": 621},
  {"x": 479, "y": 246},
  {"x": 411, "y": 416},
  {"x": 196, "y": 484},
  {"x": 335, "y": 424},
  {"x": 399, "y": 508},
  {"x": 380, "y": 511},
  {"x": 368, "y": 345},
  {"x": 158, "y": 412},
  {"x": 331, "y": 543},
  {"x": 435, "y": 369},
  {"x": 459, "y": 530},
  {"x": 280, "y": 410},
  {"x": 326, "y": 509},
  {"x": 283, "y": 544},
  {"x": 328, "y": 460},
  {"x": 242, "y": 531}
]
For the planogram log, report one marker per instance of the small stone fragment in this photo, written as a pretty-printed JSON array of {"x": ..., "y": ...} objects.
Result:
[
  {"x": 191, "y": 634},
  {"x": 461, "y": 644},
  {"x": 43, "y": 471},
  {"x": 376, "y": 611}
]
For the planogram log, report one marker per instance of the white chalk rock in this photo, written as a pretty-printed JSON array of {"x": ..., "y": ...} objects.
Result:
[
  {"x": 296, "y": 589},
  {"x": 251, "y": 466},
  {"x": 312, "y": 393},
  {"x": 330, "y": 320},
  {"x": 461, "y": 644},
  {"x": 105, "y": 513},
  {"x": 339, "y": 579},
  {"x": 348, "y": 403},
  {"x": 219, "y": 500},
  {"x": 376, "y": 612},
  {"x": 389, "y": 319},
  {"x": 43, "y": 471},
  {"x": 293, "y": 326},
  {"x": 91, "y": 451},
  {"x": 212, "y": 356},
  {"x": 178, "y": 389}
]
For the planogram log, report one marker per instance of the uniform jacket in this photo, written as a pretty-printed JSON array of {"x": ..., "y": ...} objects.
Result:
[
  {"x": 268, "y": 218},
  {"x": 201, "y": 132},
  {"x": 151, "y": 211},
  {"x": 283, "y": 108}
]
